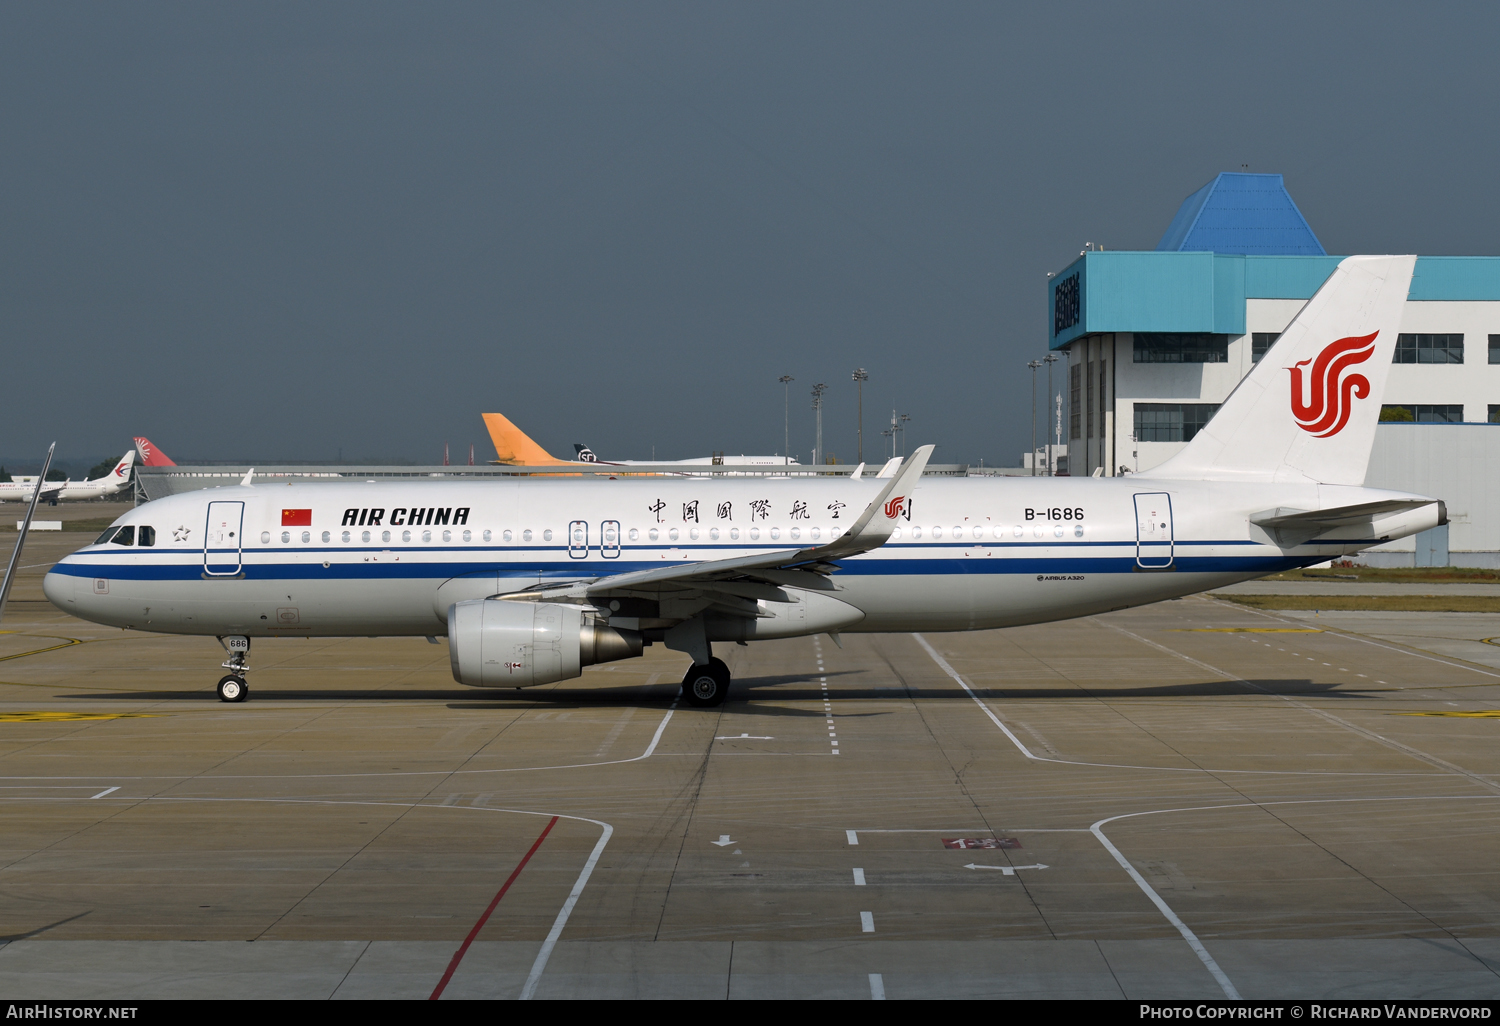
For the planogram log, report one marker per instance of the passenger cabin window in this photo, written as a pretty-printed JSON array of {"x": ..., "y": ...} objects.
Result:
[
  {"x": 125, "y": 536},
  {"x": 145, "y": 535}
]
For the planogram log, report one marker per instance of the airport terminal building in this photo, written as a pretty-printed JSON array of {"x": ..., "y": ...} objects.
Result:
[{"x": 1155, "y": 341}]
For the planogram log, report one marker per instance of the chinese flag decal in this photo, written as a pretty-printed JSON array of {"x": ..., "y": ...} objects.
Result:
[{"x": 296, "y": 518}]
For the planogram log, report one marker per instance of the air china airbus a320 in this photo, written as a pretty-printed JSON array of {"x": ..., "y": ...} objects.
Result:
[{"x": 533, "y": 579}]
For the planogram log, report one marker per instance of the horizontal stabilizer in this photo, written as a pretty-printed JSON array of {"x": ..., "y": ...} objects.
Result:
[{"x": 1339, "y": 516}]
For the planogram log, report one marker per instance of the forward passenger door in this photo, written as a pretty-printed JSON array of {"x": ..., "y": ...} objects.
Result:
[{"x": 221, "y": 538}]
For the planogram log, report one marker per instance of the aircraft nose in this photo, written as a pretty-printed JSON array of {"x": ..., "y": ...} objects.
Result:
[{"x": 59, "y": 589}]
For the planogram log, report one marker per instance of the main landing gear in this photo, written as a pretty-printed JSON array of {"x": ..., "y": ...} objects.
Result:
[
  {"x": 232, "y": 686},
  {"x": 706, "y": 685}
]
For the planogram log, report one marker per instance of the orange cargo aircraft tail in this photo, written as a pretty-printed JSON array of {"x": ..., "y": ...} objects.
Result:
[{"x": 514, "y": 446}]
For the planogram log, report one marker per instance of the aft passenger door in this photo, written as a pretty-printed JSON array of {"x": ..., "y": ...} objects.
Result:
[
  {"x": 221, "y": 538},
  {"x": 1153, "y": 531}
]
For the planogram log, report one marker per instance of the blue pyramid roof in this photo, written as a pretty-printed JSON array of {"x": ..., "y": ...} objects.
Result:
[{"x": 1241, "y": 213}]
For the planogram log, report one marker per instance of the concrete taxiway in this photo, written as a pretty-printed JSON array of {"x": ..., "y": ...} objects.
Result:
[{"x": 1190, "y": 800}]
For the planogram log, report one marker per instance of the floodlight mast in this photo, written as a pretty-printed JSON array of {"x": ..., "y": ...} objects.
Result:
[
  {"x": 817, "y": 405},
  {"x": 1049, "y": 360},
  {"x": 786, "y": 422},
  {"x": 1034, "y": 364},
  {"x": 860, "y": 377}
]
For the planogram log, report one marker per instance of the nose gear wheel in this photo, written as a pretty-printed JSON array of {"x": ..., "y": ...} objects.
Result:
[{"x": 232, "y": 688}]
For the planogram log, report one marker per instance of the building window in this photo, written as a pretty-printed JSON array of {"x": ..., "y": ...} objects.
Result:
[
  {"x": 1429, "y": 348},
  {"x": 1171, "y": 422},
  {"x": 1066, "y": 305},
  {"x": 1260, "y": 341},
  {"x": 1495, "y": 349},
  {"x": 1419, "y": 413},
  {"x": 1075, "y": 401},
  {"x": 1160, "y": 347}
]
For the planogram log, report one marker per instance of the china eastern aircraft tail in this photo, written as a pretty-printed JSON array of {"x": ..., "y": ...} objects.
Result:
[{"x": 1307, "y": 412}]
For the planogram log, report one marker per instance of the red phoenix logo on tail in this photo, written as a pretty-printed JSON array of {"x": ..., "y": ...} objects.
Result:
[
  {"x": 893, "y": 508},
  {"x": 1330, "y": 390}
]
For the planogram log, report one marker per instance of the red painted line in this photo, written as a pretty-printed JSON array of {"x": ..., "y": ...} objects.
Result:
[{"x": 458, "y": 956}]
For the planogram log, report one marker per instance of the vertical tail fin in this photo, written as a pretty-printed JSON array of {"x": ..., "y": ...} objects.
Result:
[
  {"x": 121, "y": 473},
  {"x": 1308, "y": 410},
  {"x": 513, "y": 446},
  {"x": 151, "y": 456}
]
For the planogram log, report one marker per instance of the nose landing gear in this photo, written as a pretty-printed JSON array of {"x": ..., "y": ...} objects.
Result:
[{"x": 232, "y": 686}]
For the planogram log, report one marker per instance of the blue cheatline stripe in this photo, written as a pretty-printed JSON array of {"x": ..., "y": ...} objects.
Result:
[
  {"x": 865, "y": 567},
  {"x": 735, "y": 549}
]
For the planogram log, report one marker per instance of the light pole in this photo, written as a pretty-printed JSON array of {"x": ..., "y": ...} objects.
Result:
[
  {"x": 1034, "y": 364},
  {"x": 1059, "y": 435},
  {"x": 1049, "y": 360},
  {"x": 904, "y": 418},
  {"x": 860, "y": 377},
  {"x": 786, "y": 421},
  {"x": 817, "y": 394}
]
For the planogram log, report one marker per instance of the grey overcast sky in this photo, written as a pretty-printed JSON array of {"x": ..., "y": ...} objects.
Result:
[{"x": 278, "y": 231}]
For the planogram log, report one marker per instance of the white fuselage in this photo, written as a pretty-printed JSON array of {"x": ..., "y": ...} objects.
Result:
[{"x": 383, "y": 558}]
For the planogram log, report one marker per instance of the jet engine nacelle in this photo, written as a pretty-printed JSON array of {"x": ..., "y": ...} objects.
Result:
[{"x": 494, "y": 643}]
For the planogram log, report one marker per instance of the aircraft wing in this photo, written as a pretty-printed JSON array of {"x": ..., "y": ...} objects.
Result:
[
  {"x": 870, "y": 531},
  {"x": 805, "y": 568}
]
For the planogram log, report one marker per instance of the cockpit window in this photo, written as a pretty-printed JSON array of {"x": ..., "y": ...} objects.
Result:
[
  {"x": 109, "y": 532},
  {"x": 145, "y": 535},
  {"x": 125, "y": 536}
]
